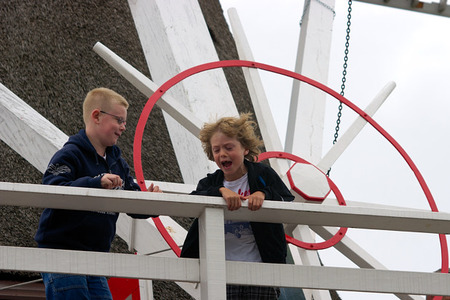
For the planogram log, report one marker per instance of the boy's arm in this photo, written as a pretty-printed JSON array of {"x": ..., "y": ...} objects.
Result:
[{"x": 62, "y": 170}]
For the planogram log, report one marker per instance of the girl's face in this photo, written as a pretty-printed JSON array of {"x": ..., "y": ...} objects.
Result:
[{"x": 229, "y": 155}]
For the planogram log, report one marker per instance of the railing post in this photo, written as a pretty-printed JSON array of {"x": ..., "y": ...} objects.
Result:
[{"x": 212, "y": 254}]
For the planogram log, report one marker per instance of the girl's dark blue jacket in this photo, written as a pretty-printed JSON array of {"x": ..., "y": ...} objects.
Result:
[
  {"x": 78, "y": 164},
  {"x": 270, "y": 237}
]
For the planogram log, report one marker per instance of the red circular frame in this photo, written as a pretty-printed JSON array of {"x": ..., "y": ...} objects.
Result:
[
  {"x": 250, "y": 64},
  {"x": 341, "y": 232}
]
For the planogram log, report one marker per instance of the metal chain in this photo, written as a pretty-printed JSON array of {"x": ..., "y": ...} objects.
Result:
[{"x": 344, "y": 74}]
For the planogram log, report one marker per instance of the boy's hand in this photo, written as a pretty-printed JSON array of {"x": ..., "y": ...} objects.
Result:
[
  {"x": 232, "y": 199},
  {"x": 111, "y": 181},
  {"x": 154, "y": 188},
  {"x": 255, "y": 200}
]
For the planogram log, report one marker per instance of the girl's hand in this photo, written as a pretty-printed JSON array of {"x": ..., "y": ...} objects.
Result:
[
  {"x": 232, "y": 199},
  {"x": 255, "y": 200}
]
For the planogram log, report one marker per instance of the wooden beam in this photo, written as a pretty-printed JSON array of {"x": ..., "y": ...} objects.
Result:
[
  {"x": 171, "y": 106},
  {"x": 255, "y": 87},
  {"x": 212, "y": 254},
  {"x": 98, "y": 263},
  {"x": 439, "y": 9},
  {"x": 27, "y": 132},
  {"x": 175, "y": 37},
  {"x": 307, "y": 108},
  {"x": 36, "y": 195},
  {"x": 344, "y": 141},
  {"x": 188, "y": 270},
  {"x": 343, "y": 279}
]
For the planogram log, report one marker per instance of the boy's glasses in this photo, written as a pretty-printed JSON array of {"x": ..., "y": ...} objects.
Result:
[{"x": 119, "y": 120}]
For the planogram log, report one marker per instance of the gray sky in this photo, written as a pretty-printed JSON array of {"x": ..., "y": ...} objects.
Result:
[{"x": 386, "y": 44}]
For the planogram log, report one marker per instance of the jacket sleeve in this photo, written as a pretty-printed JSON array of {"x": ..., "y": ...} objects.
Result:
[
  {"x": 207, "y": 187},
  {"x": 273, "y": 187},
  {"x": 62, "y": 171}
]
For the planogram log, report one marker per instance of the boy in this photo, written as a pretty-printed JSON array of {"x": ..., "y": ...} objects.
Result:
[
  {"x": 232, "y": 144},
  {"x": 89, "y": 159}
]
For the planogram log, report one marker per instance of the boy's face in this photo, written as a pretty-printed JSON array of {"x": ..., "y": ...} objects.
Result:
[
  {"x": 111, "y": 125},
  {"x": 229, "y": 155}
]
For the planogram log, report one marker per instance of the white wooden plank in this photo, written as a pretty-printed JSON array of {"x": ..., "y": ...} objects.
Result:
[
  {"x": 98, "y": 263},
  {"x": 255, "y": 87},
  {"x": 174, "y": 37},
  {"x": 26, "y": 131},
  {"x": 146, "y": 238},
  {"x": 438, "y": 9},
  {"x": 307, "y": 108},
  {"x": 146, "y": 289},
  {"x": 309, "y": 258},
  {"x": 212, "y": 254},
  {"x": 35, "y": 195},
  {"x": 341, "y": 279},
  {"x": 344, "y": 141},
  {"x": 188, "y": 270},
  {"x": 171, "y": 106},
  {"x": 171, "y": 187}
]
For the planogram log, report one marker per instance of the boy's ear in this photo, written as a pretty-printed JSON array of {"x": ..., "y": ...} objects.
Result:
[
  {"x": 246, "y": 152},
  {"x": 95, "y": 115}
]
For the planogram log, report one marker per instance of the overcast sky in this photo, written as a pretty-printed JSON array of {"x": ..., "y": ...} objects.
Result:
[{"x": 386, "y": 44}]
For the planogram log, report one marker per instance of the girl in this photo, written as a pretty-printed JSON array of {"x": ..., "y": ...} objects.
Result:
[{"x": 232, "y": 144}]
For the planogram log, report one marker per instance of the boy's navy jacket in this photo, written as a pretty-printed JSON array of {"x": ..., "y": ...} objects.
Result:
[
  {"x": 270, "y": 237},
  {"x": 78, "y": 164}
]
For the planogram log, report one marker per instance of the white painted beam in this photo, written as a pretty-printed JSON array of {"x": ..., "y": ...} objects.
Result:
[
  {"x": 27, "y": 132},
  {"x": 172, "y": 187},
  {"x": 341, "y": 279},
  {"x": 18, "y": 194},
  {"x": 98, "y": 263},
  {"x": 344, "y": 141},
  {"x": 212, "y": 254},
  {"x": 438, "y": 9},
  {"x": 174, "y": 37},
  {"x": 260, "y": 103},
  {"x": 170, "y": 105},
  {"x": 188, "y": 270},
  {"x": 307, "y": 107},
  {"x": 307, "y": 257}
]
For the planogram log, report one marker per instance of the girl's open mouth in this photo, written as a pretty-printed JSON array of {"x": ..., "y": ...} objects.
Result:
[{"x": 226, "y": 164}]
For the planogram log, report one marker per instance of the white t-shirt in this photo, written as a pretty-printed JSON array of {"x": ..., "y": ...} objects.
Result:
[{"x": 240, "y": 242}]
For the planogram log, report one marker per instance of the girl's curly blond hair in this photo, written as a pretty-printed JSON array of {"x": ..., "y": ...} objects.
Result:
[{"x": 242, "y": 128}]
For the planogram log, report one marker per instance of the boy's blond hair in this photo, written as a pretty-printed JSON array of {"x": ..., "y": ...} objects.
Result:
[
  {"x": 102, "y": 99},
  {"x": 242, "y": 128}
]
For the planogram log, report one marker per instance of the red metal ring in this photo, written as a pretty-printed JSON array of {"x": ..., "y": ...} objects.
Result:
[
  {"x": 341, "y": 232},
  {"x": 250, "y": 64}
]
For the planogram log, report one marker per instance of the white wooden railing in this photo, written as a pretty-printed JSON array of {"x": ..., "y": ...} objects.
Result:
[{"x": 211, "y": 270}]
